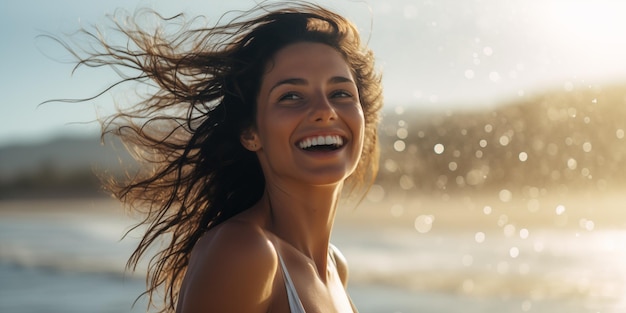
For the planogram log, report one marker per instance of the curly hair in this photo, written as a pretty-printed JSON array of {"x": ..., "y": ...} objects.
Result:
[{"x": 195, "y": 173}]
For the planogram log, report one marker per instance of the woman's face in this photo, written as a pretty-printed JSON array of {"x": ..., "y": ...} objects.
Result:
[{"x": 309, "y": 124}]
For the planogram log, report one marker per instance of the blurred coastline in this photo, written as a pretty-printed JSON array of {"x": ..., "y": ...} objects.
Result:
[{"x": 561, "y": 140}]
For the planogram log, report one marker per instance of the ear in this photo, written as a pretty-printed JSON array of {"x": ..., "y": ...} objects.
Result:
[{"x": 250, "y": 140}]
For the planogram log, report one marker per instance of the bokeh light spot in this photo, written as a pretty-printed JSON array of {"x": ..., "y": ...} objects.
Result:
[
  {"x": 439, "y": 148},
  {"x": 424, "y": 223}
]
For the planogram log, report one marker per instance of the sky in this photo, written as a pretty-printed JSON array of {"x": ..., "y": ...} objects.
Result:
[{"x": 434, "y": 54}]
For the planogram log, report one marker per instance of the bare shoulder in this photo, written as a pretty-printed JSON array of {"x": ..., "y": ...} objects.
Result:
[
  {"x": 340, "y": 263},
  {"x": 232, "y": 269}
]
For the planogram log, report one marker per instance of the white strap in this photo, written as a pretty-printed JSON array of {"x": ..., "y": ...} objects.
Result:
[{"x": 295, "y": 305}]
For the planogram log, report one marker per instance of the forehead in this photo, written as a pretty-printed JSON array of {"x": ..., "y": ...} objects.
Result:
[{"x": 306, "y": 59}]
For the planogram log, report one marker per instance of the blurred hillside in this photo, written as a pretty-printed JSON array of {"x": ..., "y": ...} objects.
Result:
[
  {"x": 60, "y": 168},
  {"x": 561, "y": 141}
]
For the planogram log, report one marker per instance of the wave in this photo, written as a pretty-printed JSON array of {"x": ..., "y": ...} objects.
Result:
[
  {"x": 28, "y": 259},
  {"x": 487, "y": 284},
  {"x": 553, "y": 266},
  {"x": 567, "y": 267}
]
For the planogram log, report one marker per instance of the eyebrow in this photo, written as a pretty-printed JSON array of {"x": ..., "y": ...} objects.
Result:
[{"x": 302, "y": 81}]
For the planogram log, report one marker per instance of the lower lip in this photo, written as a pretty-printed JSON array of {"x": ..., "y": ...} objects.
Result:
[{"x": 329, "y": 153}]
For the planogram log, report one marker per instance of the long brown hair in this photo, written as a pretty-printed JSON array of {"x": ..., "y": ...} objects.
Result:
[{"x": 195, "y": 173}]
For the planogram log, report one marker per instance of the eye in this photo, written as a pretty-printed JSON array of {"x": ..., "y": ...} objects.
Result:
[
  {"x": 290, "y": 96},
  {"x": 341, "y": 94}
]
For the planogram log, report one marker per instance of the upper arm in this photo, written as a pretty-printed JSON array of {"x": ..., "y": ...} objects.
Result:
[
  {"x": 341, "y": 264},
  {"x": 232, "y": 270}
]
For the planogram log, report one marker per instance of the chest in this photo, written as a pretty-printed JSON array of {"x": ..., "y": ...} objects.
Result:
[{"x": 316, "y": 295}]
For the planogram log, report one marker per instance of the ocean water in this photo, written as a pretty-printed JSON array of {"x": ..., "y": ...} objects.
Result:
[{"x": 68, "y": 257}]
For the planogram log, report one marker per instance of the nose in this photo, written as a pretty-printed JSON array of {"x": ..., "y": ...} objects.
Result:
[{"x": 322, "y": 110}]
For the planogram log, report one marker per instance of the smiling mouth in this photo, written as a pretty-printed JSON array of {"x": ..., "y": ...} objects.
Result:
[{"x": 321, "y": 143}]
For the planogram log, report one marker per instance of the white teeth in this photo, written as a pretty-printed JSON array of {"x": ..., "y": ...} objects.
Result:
[
  {"x": 329, "y": 140},
  {"x": 321, "y": 140}
]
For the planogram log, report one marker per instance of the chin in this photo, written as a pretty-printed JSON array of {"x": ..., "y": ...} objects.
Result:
[{"x": 329, "y": 179}]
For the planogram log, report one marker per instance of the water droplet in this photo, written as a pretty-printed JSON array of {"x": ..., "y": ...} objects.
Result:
[
  {"x": 586, "y": 224},
  {"x": 572, "y": 164},
  {"x": 402, "y": 133},
  {"x": 524, "y": 233},
  {"x": 560, "y": 209},
  {"x": 483, "y": 143},
  {"x": 487, "y": 210},
  {"x": 469, "y": 74},
  {"x": 619, "y": 133},
  {"x": 494, "y": 76},
  {"x": 587, "y": 146},
  {"x": 439, "y": 148},
  {"x": 585, "y": 172},
  {"x": 488, "y": 51},
  {"x": 505, "y": 195},
  {"x": 594, "y": 101},
  {"x": 399, "y": 110},
  {"x": 514, "y": 252},
  {"x": 391, "y": 165},
  {"x": 479, "y": 237},
  {"x": 452, "y": 166},
  {"x": 399, "y": 145},
  {"x": 504, "y": 140},
  {"x": 424, "y": 223},
  {"x": 527, "y": 305},
  {"x": 488, "y": 128},
  {"x": 523, "y": 156}
]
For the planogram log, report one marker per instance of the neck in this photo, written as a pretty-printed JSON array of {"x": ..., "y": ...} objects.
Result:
[{"x": 303, "y": 217}]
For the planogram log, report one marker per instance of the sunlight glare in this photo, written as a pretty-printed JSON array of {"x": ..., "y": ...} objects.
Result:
[{"x": 584, "y": 31}]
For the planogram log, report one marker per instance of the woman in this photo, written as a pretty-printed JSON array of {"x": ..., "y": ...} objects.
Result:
[{"x": 247, "y": 142}]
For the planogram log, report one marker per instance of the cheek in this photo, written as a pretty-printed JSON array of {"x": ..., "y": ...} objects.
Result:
[{"x": 276, "y": 128}]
